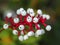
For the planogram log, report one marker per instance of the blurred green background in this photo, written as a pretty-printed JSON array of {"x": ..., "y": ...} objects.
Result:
[{"x": 51, "y": 7}]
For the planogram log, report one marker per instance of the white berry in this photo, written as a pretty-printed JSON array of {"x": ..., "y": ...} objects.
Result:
[
  {"x": 35, "y": 20},
  {"x": 21, "y": 9},
  {"x": 48, "y": 27},
  {"x": 44, "y": 16},
  {"x": 22, "y": 33},
  {"x": 5, "y": 26},
  {"x": 18, "y": 11},
  {"x": 39, "y": 32},
  {"x": 21, "y": 38},
  {"x": 32, "y": 14},
  {"x": 9, "y": 14},
  {"x": 47, "y": 17},
  {"x": 25, "y": 37},
  {"x": 21, "y": 27},
  {"x": 39, "y": 11},
  {"x": 15, "y": 32},
  {"x": 23, "y": 13},
  {"x": 16, "y": 20},
  {"x": 31, "y": 33},
  {"x": 28, "y": 10},
  {"x": 29, "y": 19}
]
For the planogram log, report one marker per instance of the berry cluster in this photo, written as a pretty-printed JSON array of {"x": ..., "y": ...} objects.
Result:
[{"x": 27, "y": 18}]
